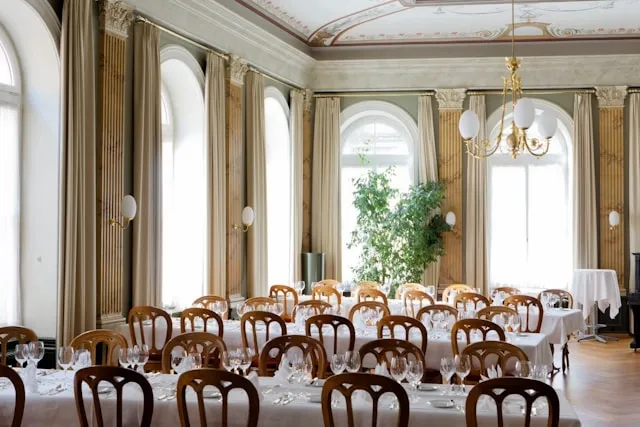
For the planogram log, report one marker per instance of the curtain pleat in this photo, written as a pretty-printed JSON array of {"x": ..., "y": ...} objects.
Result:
[{"x": 296, "y": 132}]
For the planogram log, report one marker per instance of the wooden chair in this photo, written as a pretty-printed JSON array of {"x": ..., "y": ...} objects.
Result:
[
  {"x": 382, "y": 348},
  {"x": 365, "y": 284},
  {"x": 319, "y": 307},
  {"x": 118, "y": 377},
  {"x": 408, "y": 287},
  {"x": 189, "y": 315},
  {"x": 210, "y": 346},
  {"x": 225, "y": 382},
  {"x": 374, "y": 305},
  {"x": 413, "y": 296},
  {"x": 140, "y": 315},
  {"x": 111, "y": 342},
  {"x": 490, "y": 312},
  {"x": 320, "y": 292},
  {"x": 372, "y": 295},
  {"x": 14, "y": 377},
  {"x": 285, "y": 291},
  {"x": 335, "y": 322},
  {"x": 508, "y": 290},
  {"x": 565, "y": 297},
  {"x": 484, "y": 354},
  {"x": 391, "y": 323},
  {"x": 499, "y": 388},
  {"x": 452, "y": 288},
  {"x": 259, "y": 303},
  {"x": 253, "y": 317},
  {"x": 328, "y": 282},
  {"x": 274, "y": 349},
  {"x": 207, "y": 301},
  {"x": 431, "y": 309},
  {"x": 516, "y": 301},
  {"x": 374, "y": 385},
  {"x": 14, "y": 333},
  {"x": 463, "y": 298},
  {"x": 468, "y": 325}
]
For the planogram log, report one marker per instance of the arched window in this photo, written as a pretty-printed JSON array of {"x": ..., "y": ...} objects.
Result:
[
  {"x": 529, "y": 207},
  {"x": 278, "y": 156},
  {"x": 183, "y": 178},
  {"x": 383, "y": 134}
]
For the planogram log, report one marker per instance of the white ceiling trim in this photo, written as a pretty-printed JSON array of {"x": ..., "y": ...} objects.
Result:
[{"x": 475, "y": 73}]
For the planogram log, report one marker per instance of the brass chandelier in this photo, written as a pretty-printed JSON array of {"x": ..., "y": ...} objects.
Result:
[{"x": 524, "y": 114}]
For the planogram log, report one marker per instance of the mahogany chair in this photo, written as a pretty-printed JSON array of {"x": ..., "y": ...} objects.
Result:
[
  {"x": 478, "y": 301},
  {"x": 407, "y": 324},
  {"x": 500, "y": 388},
  {"x": 335, "y": 322},
  {"x": 408, "y": 287},
  {"x": 188, "y": 320},
  {"x": 366, "y": 294},
  {"x": 207, "y": 301},
  {"x": 431, "y": 309},
  {"x": 516, "y": 301},
  {"x": 18, "y": 386},
  {"x": 381, "y": 349},
  {"x": 281, "y": 293},
  {"x": 146, "y": 315},
  {"x": 468, "y": 325},
  {"x": 374, "y": 385},
  {"x": 374, "y": 305},
  {"x": 225, "y": 382},
  {"x": 274, "y": 349},
  {"x": 118, "y": 378},
  {"x": 491, "y": 312},
  {"x": 565, "y": 299},
  {"x": 415, "y": 297},
  {"x": 259, "y": 303},
  {"x": 325, "y": 291},
  {"x": 14, "y": 333},
  {"x": 454, "y": 288},
  {"x": 253, "y": 317},
  {"x": 210, "y": 346},
  {"x": 484, "y": 354},
  {"x": 110, "y": 343},
  {"x": 328, "y": 282},
  {"x": 319, "y": 307}
]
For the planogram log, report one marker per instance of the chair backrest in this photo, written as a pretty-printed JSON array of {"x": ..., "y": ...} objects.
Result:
[
  {"x": 374, "y": 385},
  {"x": 326, "y": 291},
  {"x": 14, "y": 333},
  {"x": 335, "y": 322},
  {"x": 111, "y": 342},
  {"x": 225, "y": 382},
  {"x": 369, "y": 294},
  {"x": 407, "y": 324},
  {"x": 415, "y": 297},
  {"x": 210, "y": 346},
  {"x": 468, "y": 325},
  {"x": 374, "y": 305},
  {"x": 189, "y": 315},
  {"x": 287, "y": 295},
  {"x": 479, "y": 301},
  {"x": 490, "y": 313},
  {"x": 408, "y": 287},
  {"x": 365, "y": 284},
  {"x": 430, "y": 309},
  {"x": 484, "y": 354},
  {"x": 328, "y": 282},
  {"x": 14, "y": 377},
  {"x": 507, "y": 290},
  {"x": 499, "y": 388},
  {"x": 565, "y": 296},
  {"x": 516, "y": 301},
  {"x": 319, "y": 307},
  {"x": 207, "y": 301},
  {"x": 452, "y": 288},
  {"x": 385, "y": 349},
  {"x": 259, "y": 303},
  {"x": 275, "y": 348},
  {"x": 140, "y": 315},
  {"x": 118, "y": 378},
  {"x": 253, "y": 317}
]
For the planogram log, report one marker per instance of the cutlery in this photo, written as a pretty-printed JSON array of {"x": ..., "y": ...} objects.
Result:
[
  {"x": 57, "y": 389},
  {"x": 288, "y": 400}
]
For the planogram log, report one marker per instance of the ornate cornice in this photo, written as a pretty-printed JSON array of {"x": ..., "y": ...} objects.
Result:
[
  {"x": 611, "y": 96},
  {"x": 450, "y": 99},
  {"x": 237, "y": 69},
  {"x": 308, "y": 99},
  {"x": 115, "y": 17}
]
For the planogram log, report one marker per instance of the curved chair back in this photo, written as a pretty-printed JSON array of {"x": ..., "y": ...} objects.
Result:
[
  {"x": 319, "y": 307},
  {"x": 531, "y": 305},
  {"x": 188, "y": 320},
  {"x": 461, "y": 300},
  {"x": 142, "y": 316},
  {"x": 454, "y": 288},
  {"x": 469, "y": 325},
  {"x": 413, "y": 298},
  {"x": 374, "y": 305},
  {"x": 207, "y": 301},
  {"x": 287, "y": 295},
  {"x": 484, "y": 354},
  {"x": 110, "y": 341},
  {"x": 498, "y": 314},
  {"x": 370, "y": 294},
  {"x": 407, "y": 325},
  {"x": 335, "y": 322},
  {"x": 565, "y": 296},
  {"x": 507, "y": 290},
  {"x": 328, "y": 282},
  {"x": 14, "y": 333},
  {"x": 328, "y": 292},
  {"x": 18, "y": 386},
  {"x": 385, "y": 349},
  {"x": 274, "y": 349},
  {"x": 253, "y": 317},
  {"x": 210, "y": 346},
  {"x": 431, "y": 309},
  {"x": 259, "y": 303},
  {"x": 408, "y": 287}
]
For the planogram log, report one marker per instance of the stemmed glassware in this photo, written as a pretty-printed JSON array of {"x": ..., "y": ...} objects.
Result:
[
  {"x": 228, "y": 361},
  {"x": 65, "y": 359},
  {"x": 447, "y": 369},
  {"x": 245, "y": 356},
  {"x": 463, "y": 367},
  {"x": 35, "y": 352},
  {"x": 299, "y": 287},
  {"x": 399, "y": 368},
  {"x": 81, "y": 359},
  {"x": 514, "y": 322},
  {"x": 338, "y": 364},
  {"x": 385, "y": 288},
  {"x": 414, "y": 376},
  {"x": 431, "y": 290},
  {"x": 21, "y": 354},
  {"x": 436, "y": 321},
  {"x": 352, "y": 361},
  {"x": 143, "y": 356},
  {"x": 177, "y": 357},
  {"x": 523, "y": 369},
  {"x": 220, "y": 308},
  {"x": 124, "y": 357}
]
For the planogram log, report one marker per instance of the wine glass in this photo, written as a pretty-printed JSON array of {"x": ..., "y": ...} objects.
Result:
[
  {"x": 399, "y": 368},
  {"x": 35, "y": 351},
  {"x": 436, "y": 320},
  {"x": 246, "y": 357},
  {"x": 177, "y": 357},
  {"x": 447, "y": 369},
  {"x": 514, "y": 322},
  {"x": 463, "y": 367},
  {"x": 227, "y": 361},
  {"x": 65, "y": 359},
  {"x": 143, "y": 356},
  {"x": 385, "y": 288},
  {"x": 523, "y": 369},
  {"x": 81, "y": 359},
  {"x": 124, "y": 357},
  {"x": 415, "y": 372},
  {"x": 21, "y": 354},
  {"x": 337, "y": 364},
  {"x": 220, "y": 307},
  {"x": 299, "y": 286},
  {"x": 135, "y": 355},
  {"x": 352, "y": 361},
  {"x": 431, "y": 290},
  {"x": 196, "y": 360}
]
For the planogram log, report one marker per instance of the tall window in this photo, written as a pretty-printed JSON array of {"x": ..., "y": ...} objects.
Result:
[
  {"x": 374, "y": 135},
  {"x": 529, "y": 228},
  {"x": 278, "y": 154},
  {"x": 9, "y": 185}
]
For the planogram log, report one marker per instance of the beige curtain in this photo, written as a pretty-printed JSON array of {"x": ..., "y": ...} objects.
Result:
[
  {"x": 216, "y": 175},
  {"x": 257, "y": 261},
  {"x": 476, "y": 212},
  {"x": 634, "y": 182},
  {"x": 296, "y": 131},
  {"x": 427, "y": 166},
  {"x": 147, "y": 161},
  {"x": 77, "y": 289},
  {"x": 585, "y": 229},
  {"x": 326, "y": 230}
]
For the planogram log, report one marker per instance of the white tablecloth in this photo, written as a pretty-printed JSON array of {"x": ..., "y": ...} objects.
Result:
[
  {"x": 59, "y": 410},
  {"x": 557, "y": 323},
  {"x": 596, "y": 286}
]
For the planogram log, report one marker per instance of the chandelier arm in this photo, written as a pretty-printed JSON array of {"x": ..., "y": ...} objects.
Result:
[
  {"x": 538, "y": 155},
  {"x": 476, "y": 148}
]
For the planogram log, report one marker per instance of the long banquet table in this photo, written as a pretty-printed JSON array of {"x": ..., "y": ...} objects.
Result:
[{"x": 58, "y": 409}]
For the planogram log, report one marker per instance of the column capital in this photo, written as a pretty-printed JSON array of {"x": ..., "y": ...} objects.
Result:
[
  {"x": 308, "y": 99},
  {"x": 115, "y": 17},
  {"x": 450, "y": 99},
  {"x": 611, "y": 96},
  {"x": 238, "y": 68}
]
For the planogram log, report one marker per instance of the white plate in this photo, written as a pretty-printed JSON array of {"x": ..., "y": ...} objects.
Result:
[
  {"x": 427, "y": 387},
  {"x": 443, "y": 404},
  {"x": 105, "y": 389}
]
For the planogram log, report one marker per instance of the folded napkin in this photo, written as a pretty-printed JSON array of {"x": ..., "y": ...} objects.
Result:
[
  {"x": 492, "y": 372},
  {"x": 255, "y": 380},
  {"x": 283, "y": 372},
  {"x": 381, "y": 369}
]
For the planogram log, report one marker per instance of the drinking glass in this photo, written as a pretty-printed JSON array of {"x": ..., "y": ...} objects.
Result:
[
  {"x": 523, "y": 369},
  {"x": 540, "y": 372},
  {"x": 177, "y": 356},
  {"x": 21, "y": 354},
  {"x": 300, "y": 285},
  {"x": 514, "y": 322},
  {"x": 81, "y": 359},
  {"x": 35, "y": 351},
  {"x": 278, "y": 308},
  {"x": 447, "y": 369},
  {"x": 352, "y": 361},
  {"x": 135, "y": 355},
  {"x": 399, "y": 368},
  {"x": 463, "y": 367},
  {"x": 227, "y": 361},
  {"x": 65, "y": 359},
  {"x": 431, "y": 290},
  {"x": 337, "y": 364},
  {"x": 436, "y": 320},
  {"x": 196, "y": 360},
  {"x": 246, "y": 357},
  {"x": 124, "y": 357},
  {"x": 385, "y": 288},
  {"x": 143, "y": 356},
  {"x": 414, "y": 375}
]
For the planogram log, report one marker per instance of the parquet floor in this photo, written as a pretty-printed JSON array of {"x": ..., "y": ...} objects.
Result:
[{"x": 602, "y": 383}]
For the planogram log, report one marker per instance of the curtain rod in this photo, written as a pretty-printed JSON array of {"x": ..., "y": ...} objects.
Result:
[
  {"x": 371, "y": 93},
  {"x": 273, "y": 77},
  {"x": 634, "y": 90},
  {"x": 533, "y": 91}
]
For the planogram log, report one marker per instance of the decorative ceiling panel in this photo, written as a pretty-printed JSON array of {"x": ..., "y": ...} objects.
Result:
[{"x": 329, "y": 23}]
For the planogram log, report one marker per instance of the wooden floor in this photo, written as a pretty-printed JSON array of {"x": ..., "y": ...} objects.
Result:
[{"x": 602, "y": 383}]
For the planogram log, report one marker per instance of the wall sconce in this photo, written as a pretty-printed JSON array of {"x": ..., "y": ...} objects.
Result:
[
  {"x": 614, "y": 219},
  {"x": 128, "y": 209},
  {"x": 247, "y": 219},
  {"x": 450, "y": 219}
]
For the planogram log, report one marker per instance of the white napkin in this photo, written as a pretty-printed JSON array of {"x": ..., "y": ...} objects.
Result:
[
  {"x": 381, "y": 369},
  {"x": 255, "y": 380},
  {"x": 283, "y": 372},
  {"x": 492, "y": 372}
]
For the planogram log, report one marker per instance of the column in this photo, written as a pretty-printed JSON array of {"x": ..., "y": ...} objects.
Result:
[
  {"x": 307, "y": 161},
  {"x": 235, "y": 175},
  {"x": 611, "y": 166},
  {"x": 450, "y": 173},
  {"x": 115, "y": 19}
]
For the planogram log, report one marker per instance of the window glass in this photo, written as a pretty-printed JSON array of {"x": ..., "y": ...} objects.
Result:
[{"x": 6, "y": 74}]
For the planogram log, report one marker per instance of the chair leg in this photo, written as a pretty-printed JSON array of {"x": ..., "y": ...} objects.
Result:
[{"x": 565, "y": 356}]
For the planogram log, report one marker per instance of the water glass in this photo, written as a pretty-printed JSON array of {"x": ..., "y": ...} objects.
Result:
[
  {"x": 523, "y": 369},
  {"x": 337, "y": 364},
  {"x": 81, "y": 359},
  {"x": 463, "y": 367},
  {"x": 124, "y": 357},
  {"x": 399, "y": 368},
  {"x": 514, "y": 322},
  {"x": 246, "y": 357},
  {"x": 35, "y": 351},
  {"x": 227, "y": 361},
  {"x": 299, "y": 286},
  {"x": 21, "y": 354},
  {"x": 177, "y": 357},
  {"x": 65, "y": 359},
  {"x": 196, "y": 360},
  {"x": 414, "y": 374},
  {"x": 540, "y": 372},
  {"x": 143, "y": 356},
  {"x": 352, "y": 361}
]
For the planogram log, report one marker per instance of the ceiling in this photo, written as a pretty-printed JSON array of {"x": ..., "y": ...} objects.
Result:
[{"x": 338, "y": 23}]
